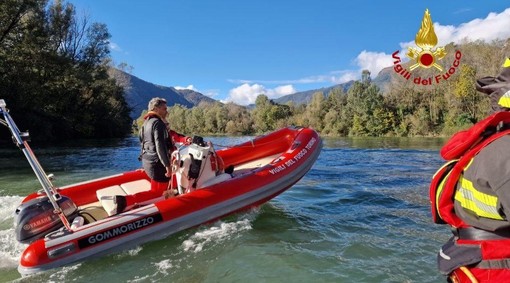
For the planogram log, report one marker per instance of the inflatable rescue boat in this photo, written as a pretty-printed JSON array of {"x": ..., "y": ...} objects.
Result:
[{"x": 73, "y": 223}]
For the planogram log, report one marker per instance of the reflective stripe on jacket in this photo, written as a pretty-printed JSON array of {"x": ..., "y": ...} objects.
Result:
[{"x": 479, "y": 203}]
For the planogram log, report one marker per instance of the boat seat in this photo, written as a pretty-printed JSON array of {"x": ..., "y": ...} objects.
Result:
[
  {"x": 105, "y": 196},
  {"x": 137, "y": 186},
  {"x": 93, "y": 212}
]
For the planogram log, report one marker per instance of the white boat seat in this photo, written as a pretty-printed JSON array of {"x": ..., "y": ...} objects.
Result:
[
  {"x": 105, "y": 196},
  {"x": 137, "y": 186}
]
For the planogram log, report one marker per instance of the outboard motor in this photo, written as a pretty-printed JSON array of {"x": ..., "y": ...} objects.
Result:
[
  {"x": 198, "y": 163},
  {"x": 36, "y": 218}
]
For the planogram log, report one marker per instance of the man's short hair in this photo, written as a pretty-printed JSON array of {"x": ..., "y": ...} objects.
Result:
[{"x": 156, "y": 102}]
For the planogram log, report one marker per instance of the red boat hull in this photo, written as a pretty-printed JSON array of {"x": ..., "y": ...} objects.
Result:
[{"x": 292, "y": 152}]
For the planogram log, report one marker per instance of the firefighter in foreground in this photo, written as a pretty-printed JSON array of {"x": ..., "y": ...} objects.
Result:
[{"x": 471, "y": 192}]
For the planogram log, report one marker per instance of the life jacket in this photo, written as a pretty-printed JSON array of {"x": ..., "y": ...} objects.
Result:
[
  {"x": 147, "y": 142},
  {"x": 458, "y": 152},
  {"x": 472, "y": 254}
]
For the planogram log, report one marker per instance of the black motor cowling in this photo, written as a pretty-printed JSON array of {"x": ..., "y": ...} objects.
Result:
[{"x": 36, "y": 218}]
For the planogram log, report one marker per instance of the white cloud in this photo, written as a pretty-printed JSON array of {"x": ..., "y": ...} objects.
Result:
[
  {"x": 115, "y": 47},
  {"x": 346, "y": 76},
  {"x": 210, "y": 92},
  {"x": 335, "y": 77},
  {"x": 207, "y": 92},
  {"x": 494, "y": 26},
  {"x": 190, "y": 87},
  {"x": 373, "y": 61},
  {"x": 281, "y": 91},
  {"x": 247, "y": 93}
]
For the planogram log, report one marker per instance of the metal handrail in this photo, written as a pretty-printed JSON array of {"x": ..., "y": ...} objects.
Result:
[{"x": 20, "y": 139}]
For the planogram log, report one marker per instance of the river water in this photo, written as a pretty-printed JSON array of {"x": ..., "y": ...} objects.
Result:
[{"x": 361, "y": 214}]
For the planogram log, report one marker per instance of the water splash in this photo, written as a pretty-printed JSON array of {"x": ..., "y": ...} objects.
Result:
[
  {"x": 130, "y": 253},
  {"x": 10, "y": 250},
  {"x": 218, "y": 232},
  {"x": 164, "y": 265}
]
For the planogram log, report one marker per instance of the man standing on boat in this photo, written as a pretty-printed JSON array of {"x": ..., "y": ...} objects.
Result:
[{"x": 157, "y": 141}]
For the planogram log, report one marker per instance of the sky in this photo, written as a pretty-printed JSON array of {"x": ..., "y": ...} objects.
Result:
[{"x": 234, "y": 50}]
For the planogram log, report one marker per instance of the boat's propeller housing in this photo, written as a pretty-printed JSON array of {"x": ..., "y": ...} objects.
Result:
[{"x": 35, "y": 218}]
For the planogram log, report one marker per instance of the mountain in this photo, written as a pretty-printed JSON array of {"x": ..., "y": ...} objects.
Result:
[
  {"x": 304, "y": 97},
  {"x": 138, "y": 93},
  {"x": 384, "y": 78}
]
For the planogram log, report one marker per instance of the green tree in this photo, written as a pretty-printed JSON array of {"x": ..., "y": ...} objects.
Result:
[
  {"x": 239, "y": 120},
  {"x": 53, "y": 72},
  {"x": 465, "y": 90},
  {"x": 195, "y": 121},
  {"x": 177, "y": 118},
  {"x": 364, "y": 103},
  {"x": 315, "y": 111},
  {"x": 262, "y": 120}
]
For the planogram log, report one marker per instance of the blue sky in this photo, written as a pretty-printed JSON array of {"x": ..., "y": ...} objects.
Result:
[{"x": 232, "y": 50}]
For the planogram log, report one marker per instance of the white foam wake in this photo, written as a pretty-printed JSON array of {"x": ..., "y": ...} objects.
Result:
[
  {"x": 10, "y": 249},
  {"x": 209, "y": 235},
  {"x": 218, "y": 232}
]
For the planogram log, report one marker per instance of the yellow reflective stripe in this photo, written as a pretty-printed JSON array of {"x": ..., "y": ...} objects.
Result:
[
  {"x": 440, "y": 187},
  {"x": 507, "y": 63},
  {"x": 481, "y": 204},
  {"x": 504, "y": 101},
  {"x": 440, "y": 190}
]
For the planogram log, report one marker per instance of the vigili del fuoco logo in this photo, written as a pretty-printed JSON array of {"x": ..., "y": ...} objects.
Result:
[{"x": 426, "y": 55}]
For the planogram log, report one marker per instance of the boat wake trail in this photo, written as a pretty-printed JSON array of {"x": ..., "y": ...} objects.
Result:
[{"x": 218, "y": 232}]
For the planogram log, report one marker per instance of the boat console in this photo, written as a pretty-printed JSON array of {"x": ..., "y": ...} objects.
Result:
[{"x": 198, "y": 166}]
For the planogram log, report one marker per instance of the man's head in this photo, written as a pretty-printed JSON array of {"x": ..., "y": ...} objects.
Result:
[{"x": 158, "y": 105}]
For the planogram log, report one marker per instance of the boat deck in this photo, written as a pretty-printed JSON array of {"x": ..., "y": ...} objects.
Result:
[{"x": 98, "y": 210}]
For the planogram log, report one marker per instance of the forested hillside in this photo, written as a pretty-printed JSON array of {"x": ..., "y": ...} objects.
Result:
[
  {"x": 404, "y": 109},
  {"x": 53, "y": 73}
]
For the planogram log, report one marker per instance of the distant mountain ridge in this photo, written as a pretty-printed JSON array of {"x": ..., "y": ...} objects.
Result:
[{"x": 138, "y": 93}]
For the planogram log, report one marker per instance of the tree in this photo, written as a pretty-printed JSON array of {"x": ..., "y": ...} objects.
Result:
[
  {"x": 262, "y": 121},
  {"x": 53, "y": 70},
  {"x": 365, "y": 77},
  {"x": 316, "y": 112},
  {"x": 364, "y": 101},
  {"x": 466, "y": 91},
  {"x": 178, "y": 118},
  {"x": 239, "y": 120}
]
